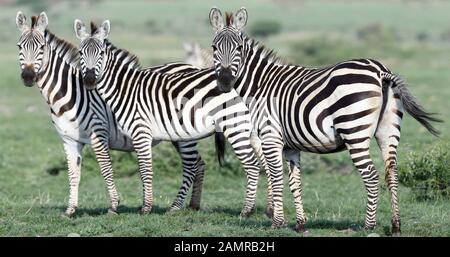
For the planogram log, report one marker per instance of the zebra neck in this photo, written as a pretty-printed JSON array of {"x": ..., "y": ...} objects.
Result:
[
  {"x": 59, "y": 80},
  {"x": 117, "y": 62}
]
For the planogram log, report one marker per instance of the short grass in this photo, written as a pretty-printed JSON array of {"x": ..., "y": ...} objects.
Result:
[{"x": 32, "y": 197}]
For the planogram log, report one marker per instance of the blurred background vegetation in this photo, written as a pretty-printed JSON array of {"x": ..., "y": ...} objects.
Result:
[{"x": 411, "y": 37}]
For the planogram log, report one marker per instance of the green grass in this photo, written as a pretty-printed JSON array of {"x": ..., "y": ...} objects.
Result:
[{"x": 32, "y": 200}]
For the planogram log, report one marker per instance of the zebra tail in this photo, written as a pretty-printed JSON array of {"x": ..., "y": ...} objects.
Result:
[
  {"x": 410, "y": 103},
  {"x": 220, "y": 147}
]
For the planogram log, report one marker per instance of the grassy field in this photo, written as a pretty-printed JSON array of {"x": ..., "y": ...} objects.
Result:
[{"x": 32, "y": 197}]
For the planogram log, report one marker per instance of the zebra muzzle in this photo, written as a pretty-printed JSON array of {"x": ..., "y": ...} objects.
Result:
[
  {"x": 89, "y": 80},
  {"x": 28, "y": 76},
  {"x": 225, "y": 79}
]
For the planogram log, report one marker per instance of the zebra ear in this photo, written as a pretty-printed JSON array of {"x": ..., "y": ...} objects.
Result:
[
  {"x": 103, "y": 30},
  {"x": 240, "y": 18},
  {"x": 42, "y": 22},
  {"x": 80, "y": 30},
  {"x": 216, "y": 19},
  {"x": 21, "y": 21}
]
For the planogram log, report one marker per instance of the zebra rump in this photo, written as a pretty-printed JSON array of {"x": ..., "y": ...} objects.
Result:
[{"x": 411, "y": 104}]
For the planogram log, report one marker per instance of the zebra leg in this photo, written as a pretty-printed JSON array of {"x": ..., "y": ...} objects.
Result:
[
  {"x": 388, "y": 139},
  {"x": 389, "y": 152},
  {"x": 142, "y": 142},
  {"x": 256, "y": 143},
  {"x": 101, "y": 150},
  {"x": 73, "y": 153},
  {"x": 361, "y": 159},
  {"x": 295, "y": 184},
  {"x": 241, "y": 143},
  {"x": 190, "y": 157},
  {"x": 273, "y": 153},
  {"x": 198, "y": 185}
]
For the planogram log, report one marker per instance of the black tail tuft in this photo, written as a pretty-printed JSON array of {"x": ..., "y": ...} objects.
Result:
[
  {"x": 220, "y": 147},
  {"x": 412, "y": 106}
]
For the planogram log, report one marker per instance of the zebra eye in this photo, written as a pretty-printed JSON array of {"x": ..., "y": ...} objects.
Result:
[{"x": 239, "y": 48}]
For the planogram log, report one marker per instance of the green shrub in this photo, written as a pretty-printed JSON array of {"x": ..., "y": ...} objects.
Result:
[
  {"x": 428, "y": 173},
  {"x": 265, "y": 28}
]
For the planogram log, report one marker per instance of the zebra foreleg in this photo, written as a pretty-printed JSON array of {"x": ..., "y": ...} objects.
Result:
[
  {"x": 273, "y": 153},
  {"x": 142, "y": 142},
  {"x": 73, "y": 153},
  {"x": 241, "y": 144},
  {"x": 295, "y": 184},
  {"x": 101, "y": 149},
  {"x": 190, "y": 159},
  {"x": 256, "y": 143}
]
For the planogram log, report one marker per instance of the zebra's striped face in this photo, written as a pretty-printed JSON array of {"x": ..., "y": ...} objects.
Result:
[
  {"x": 228, "y": 47},
  {"x": 92, "y": 51},
  {"x": 31, "y": 55}
]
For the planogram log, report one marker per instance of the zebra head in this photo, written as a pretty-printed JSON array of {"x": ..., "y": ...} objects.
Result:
[
  {"x": 92, "y": 51},
  {"x": 228, "y": 46},
  {"x": 32, "y": 47}
]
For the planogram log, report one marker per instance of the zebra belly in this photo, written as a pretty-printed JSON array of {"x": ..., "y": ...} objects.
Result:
[{"x": 70, "y": 129}]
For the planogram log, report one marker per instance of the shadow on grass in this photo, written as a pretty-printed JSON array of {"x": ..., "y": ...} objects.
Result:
[
  {"x": 336, "y": 224},
  {"x": 94, "y": 212}
]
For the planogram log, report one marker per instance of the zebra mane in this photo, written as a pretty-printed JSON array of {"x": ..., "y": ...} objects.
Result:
[
  {"x": 266, "y": 53},
  {"x": 131, "y": 60},
  {"x": 64, "y": 49}
]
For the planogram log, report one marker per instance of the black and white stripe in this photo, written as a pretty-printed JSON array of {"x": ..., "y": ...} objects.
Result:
[
  {"x": 323, "y": 110},
  {"x": 80, "y": 116},
  {"x": 152, "y": 106}
]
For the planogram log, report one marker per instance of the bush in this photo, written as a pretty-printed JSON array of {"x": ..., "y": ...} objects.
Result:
[
  {"x": 265, "y": 28},
  {"x": 428, "y": 173}
]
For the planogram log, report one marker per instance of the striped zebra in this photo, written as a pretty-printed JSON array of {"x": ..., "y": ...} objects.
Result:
[
  {"x": 152, "y": 106},
  {"x": 203, "y": 58},
  {"x": 319, "y": 110},
  {"x": 81, "y": 116},
  {"x": 197, "y": 56}
]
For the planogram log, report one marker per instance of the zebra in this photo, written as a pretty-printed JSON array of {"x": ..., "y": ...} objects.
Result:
[
  {"x": 81, "y": 117},
  {"x": 154, "y": 106},
  {"x": 319, "y": 110},
  {"x": 198, "y": 56}
]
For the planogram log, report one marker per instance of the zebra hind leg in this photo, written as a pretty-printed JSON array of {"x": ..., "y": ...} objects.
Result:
[
  {"x": 361, "y": 159},
  {"x": 388, "y": 139},
  {"x": 73, "y": 153},
  {"x": 295, "y": 184},
  {"x": 198, "y": 185},
  {"x": 101, "y": 150},
  {"x": 190, "y": 159}
]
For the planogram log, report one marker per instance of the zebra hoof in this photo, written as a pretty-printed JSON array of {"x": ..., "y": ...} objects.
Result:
[
  {"x": 300, "y": 227},
  {"x": 173, "y": 209},
  {"x": 194, "y": 207},
  {"x": 278, "y": 225},
  {"x": 369, "y": 227},
  {"x": 69, "y": 213},
  {"x": 112, "y": 212},
  {"x": 269, "y": 212},
  {"x": 145, "y": 210},
  {"x": 396, "y": 228},
  {"x": 245, "y": 213}
]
